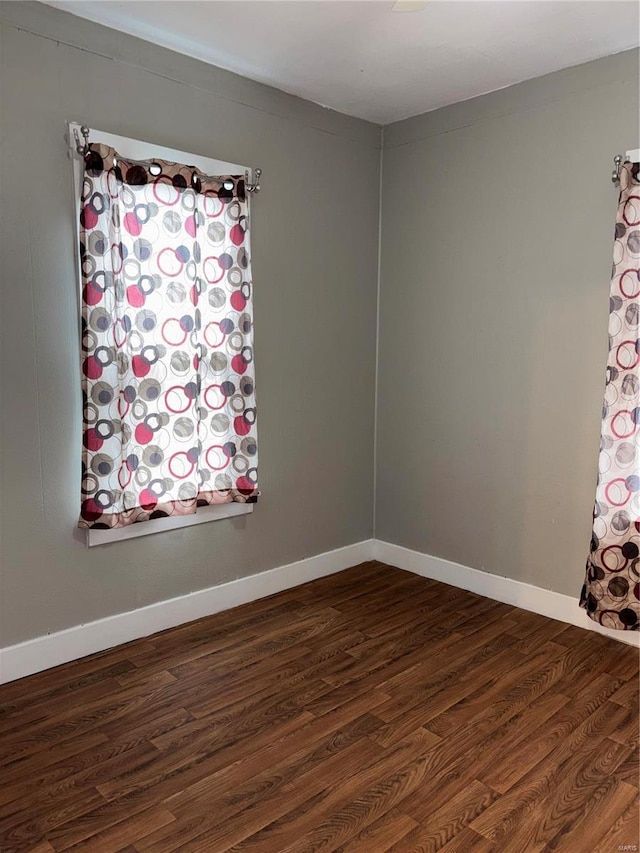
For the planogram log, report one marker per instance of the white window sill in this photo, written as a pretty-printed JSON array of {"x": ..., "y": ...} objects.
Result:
[{"x": 159, "y": 525}]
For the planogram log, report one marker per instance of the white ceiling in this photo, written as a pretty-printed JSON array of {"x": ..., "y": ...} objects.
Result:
[{"x": 363, "y": 59}]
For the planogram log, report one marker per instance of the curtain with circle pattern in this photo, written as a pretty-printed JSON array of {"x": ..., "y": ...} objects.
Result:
[
  {"x": 611, "y": 593},
  {"x": 169, "y": 418}
]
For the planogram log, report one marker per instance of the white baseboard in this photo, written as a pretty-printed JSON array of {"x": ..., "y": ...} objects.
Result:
[
  {"x": 54, "y": 649},
  {"x": 63, "y": 646},
  {"x": 544, "y": 601}
]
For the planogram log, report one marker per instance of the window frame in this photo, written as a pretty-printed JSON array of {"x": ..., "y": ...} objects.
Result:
[{"x": 136, "y": 149}]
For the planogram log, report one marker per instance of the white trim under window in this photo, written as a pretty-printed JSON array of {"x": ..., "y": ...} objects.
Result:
[{"x": 135, "y": 149}]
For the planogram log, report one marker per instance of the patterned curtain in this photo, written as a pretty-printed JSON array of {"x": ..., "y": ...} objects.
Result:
[
  {"x": 611, "y": 594},
  {"x": 168, "y": 378}
]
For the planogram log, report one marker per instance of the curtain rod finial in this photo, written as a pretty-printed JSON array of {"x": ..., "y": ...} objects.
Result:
[
  {"x": 615, "y": 175},
  {"x": 255, "y": 186},
  {"x": 82, "y": 148}
]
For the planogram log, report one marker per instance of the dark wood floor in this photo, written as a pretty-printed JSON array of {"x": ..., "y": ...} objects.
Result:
[{"x": 368, "y": 711}]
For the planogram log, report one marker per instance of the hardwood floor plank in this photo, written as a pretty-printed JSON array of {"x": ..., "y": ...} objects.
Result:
[
  {"x": 469, "y": 841},
  {"x": 575, "y": 681},
  {"x": 297, "y": 747},
  {"x": 266, "y": 804},
  {"x": 429, "y": 606},
  {"x": 625, "y": 832},
  {"x": 629, "y": 732},
  {"x": 190, "y": 762},
  {"x": 548, "y": 630},
  {"x": 289, "y": 760},
  {"x": 75, "y": 720},
  {"x": 95, "y": 756},
  {"x": 625, "y": 663},
  {"x": 478, "y": 749},
  {"x": 443, "y": 664},
  {"x": 449, "y": 685},
  {"x": 18, "y": 835},
  {"x": 381, "y": 835},
  {"x": 299, "y": 686},
  {"x": 371, "y": 710},
  {"x": 69, "y": 676},
  {"x": 629, "y": 770},
  {"x": 24, "y": 767},
  {"x": 628, "y": 693},
  {"x": 594, "y": 821},
  {"x": 131, "y": 829},
  {"x": 63, "y": 778},
  {"x": 369, "y": 807},
  {"x": 528, "y": 624},
  {"x": 523, "y": 709},
  {"x": 65, "y": 787},
  {"x": 583, "y": 776},
  {"x": 292, "y": 825},
  {"x": 100, "y": 818},
  {"x": 46, "y": 702},
  {"x": 574, "y": 636},
  {"x": 519, "y": 809},
  {"x": 449, "y": 820},
  {"x": 570, "y": 722},
  {"x": 501, "y": 696}
]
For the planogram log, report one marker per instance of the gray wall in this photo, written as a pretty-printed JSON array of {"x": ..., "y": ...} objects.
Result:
[
  {"x": 315, "y": 230},
  {"x": 496, "y": 253}
]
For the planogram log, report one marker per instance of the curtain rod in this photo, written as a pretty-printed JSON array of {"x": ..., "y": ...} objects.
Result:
[{"x": 83, "y": 148}]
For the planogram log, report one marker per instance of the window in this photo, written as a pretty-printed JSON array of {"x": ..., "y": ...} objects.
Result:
[{"x": 169, "y": 416}]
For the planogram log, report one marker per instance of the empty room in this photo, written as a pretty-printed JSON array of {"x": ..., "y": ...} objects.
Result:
[{"x": 320, "y": 426}]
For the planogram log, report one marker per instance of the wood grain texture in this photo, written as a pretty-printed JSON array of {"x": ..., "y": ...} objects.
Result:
[{"x": 367, "y": 711}]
